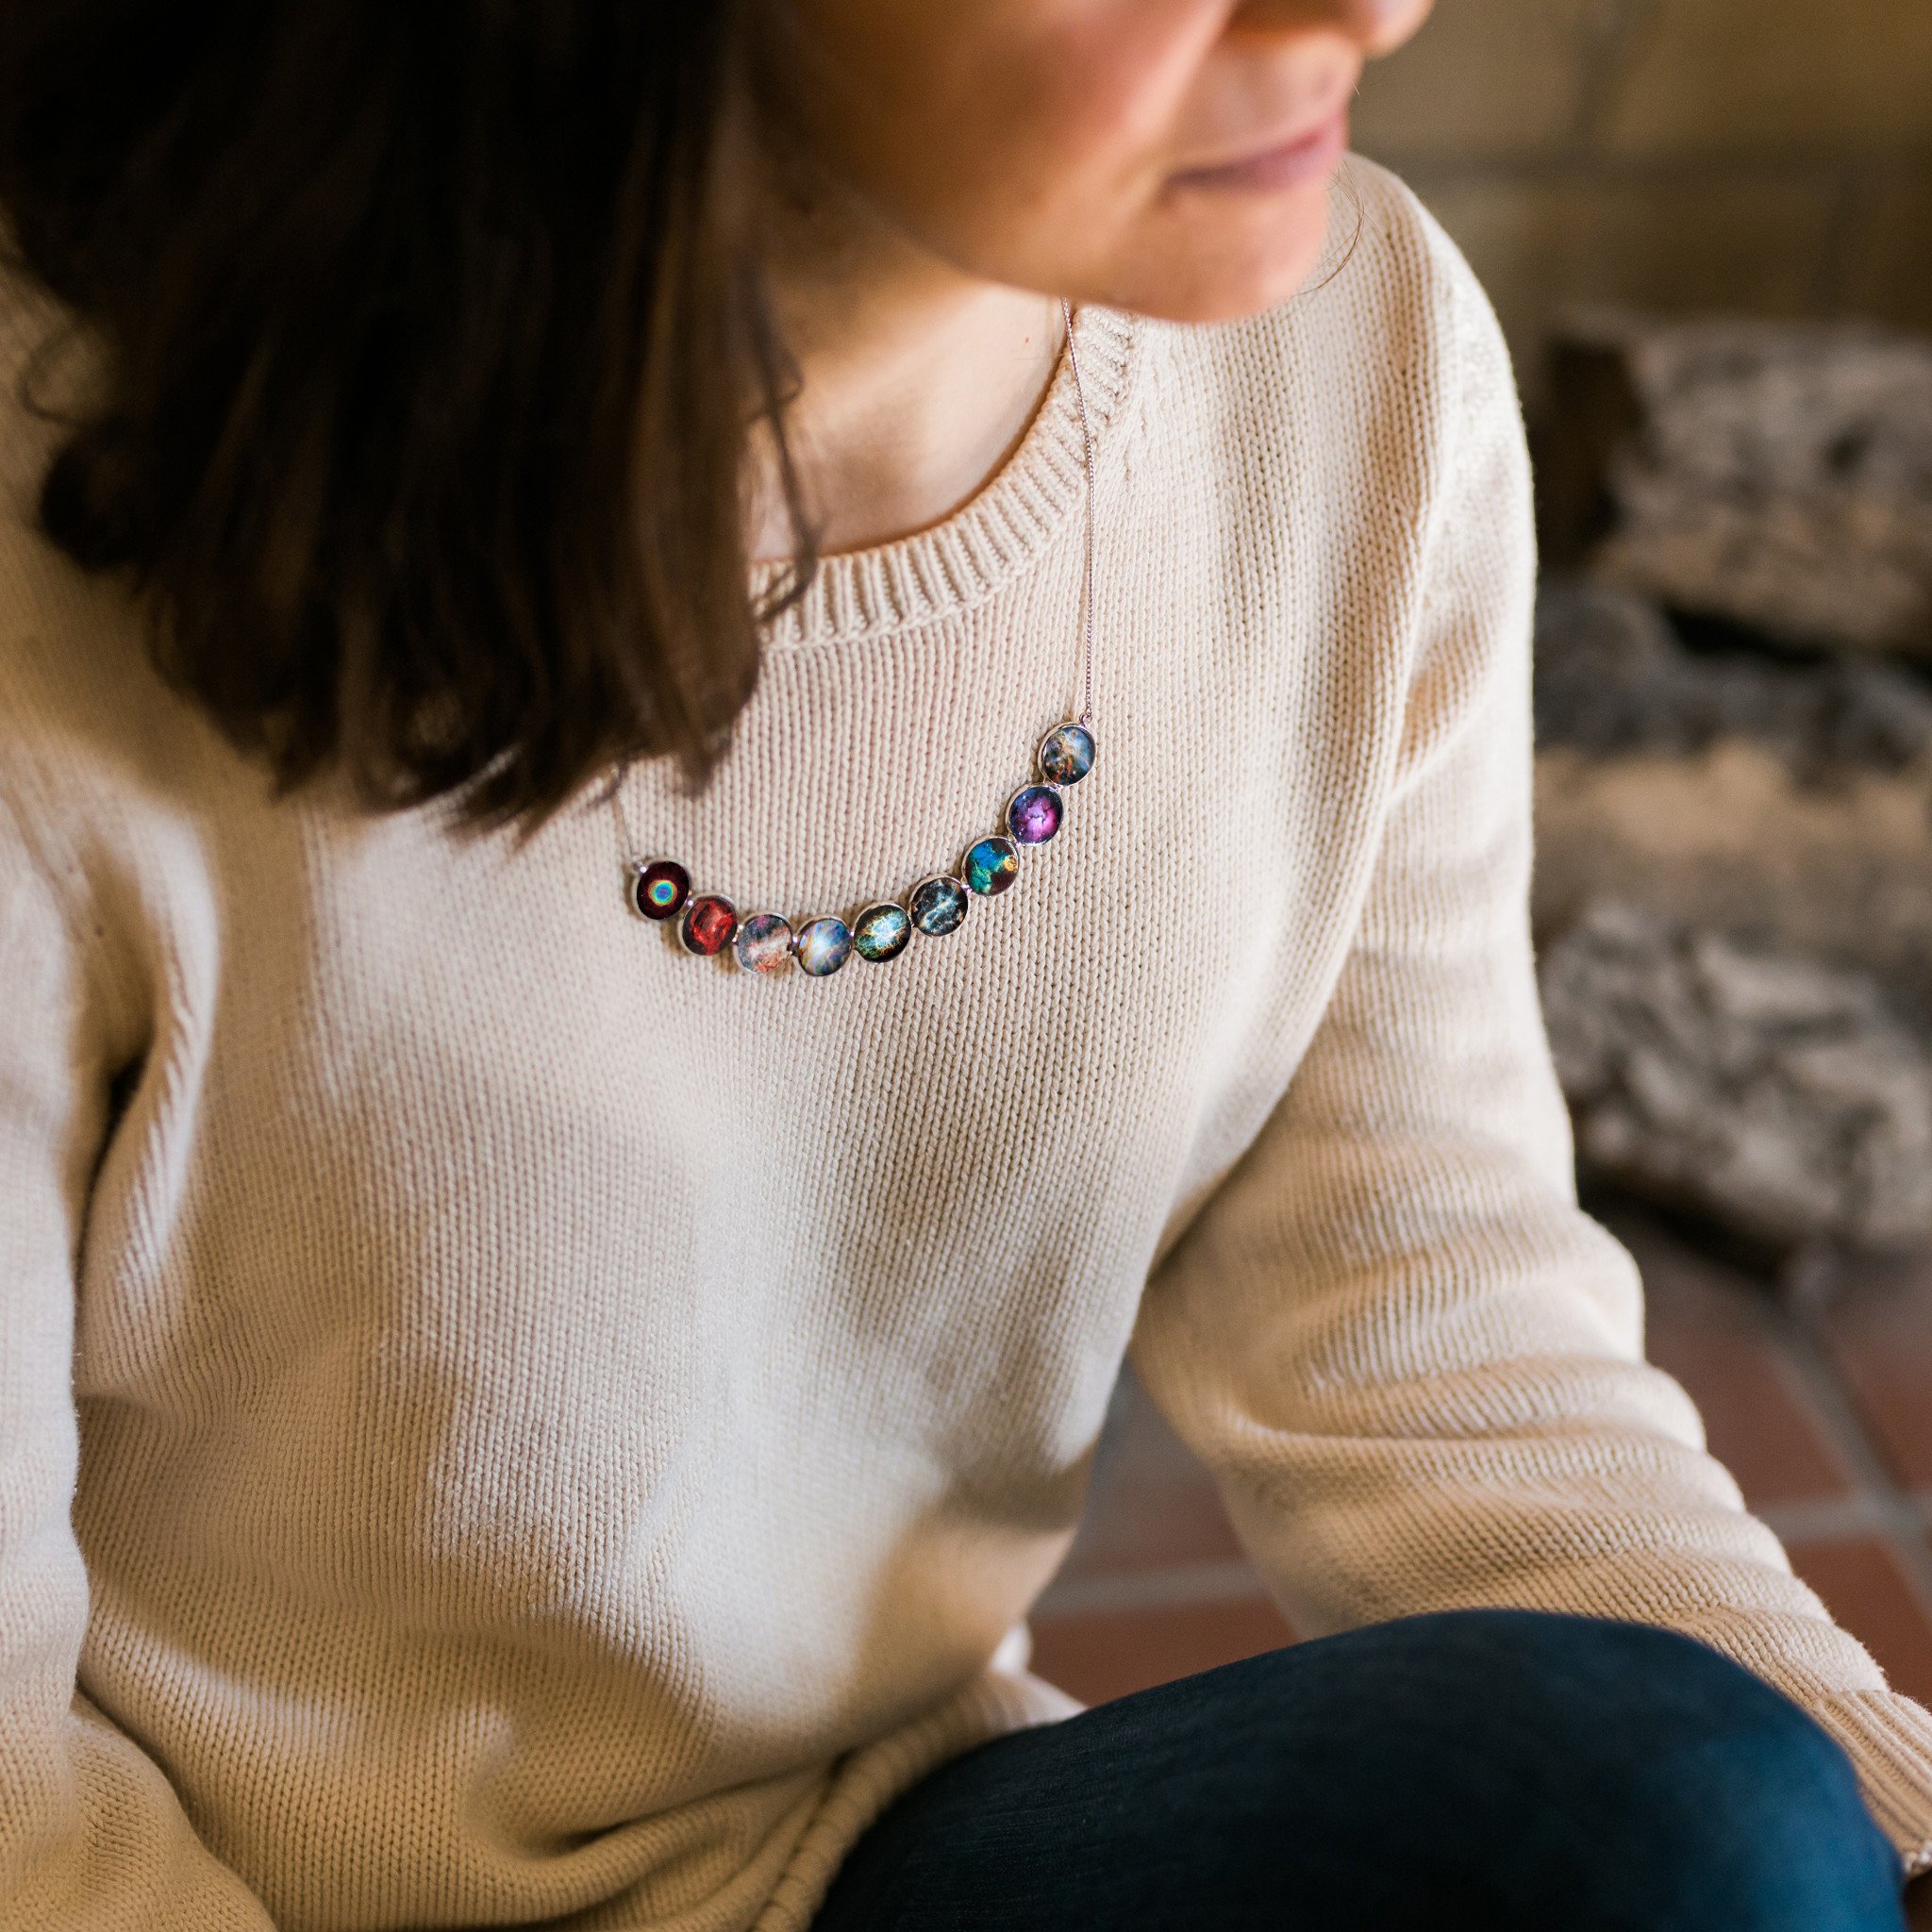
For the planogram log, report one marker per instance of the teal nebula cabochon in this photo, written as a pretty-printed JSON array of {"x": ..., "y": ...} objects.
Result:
[{"x": 992, "y": 866}]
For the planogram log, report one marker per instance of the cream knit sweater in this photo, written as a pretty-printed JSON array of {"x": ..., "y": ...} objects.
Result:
[{"x": 503, "y": 1421}]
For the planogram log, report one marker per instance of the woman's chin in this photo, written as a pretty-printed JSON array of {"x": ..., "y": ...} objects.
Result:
[{"x": 1233, "y": 257}]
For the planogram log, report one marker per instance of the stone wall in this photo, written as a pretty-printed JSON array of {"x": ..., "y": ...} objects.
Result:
[{"x": 1756, "y": 156}]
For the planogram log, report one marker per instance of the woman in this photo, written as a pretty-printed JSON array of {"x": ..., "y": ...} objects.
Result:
[{"x": 537, "y": 533}]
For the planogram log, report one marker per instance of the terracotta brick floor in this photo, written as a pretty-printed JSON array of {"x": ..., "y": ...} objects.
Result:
[{"x": 1818, "y": 1398}]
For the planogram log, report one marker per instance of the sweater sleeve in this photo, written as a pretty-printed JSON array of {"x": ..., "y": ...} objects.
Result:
[
  {"x": 91, "y": 1834},
  {"x": 1413, "y": 1364}
]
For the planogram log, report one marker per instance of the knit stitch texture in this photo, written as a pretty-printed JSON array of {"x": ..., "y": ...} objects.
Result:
[{"x": 503, "y": 1421}]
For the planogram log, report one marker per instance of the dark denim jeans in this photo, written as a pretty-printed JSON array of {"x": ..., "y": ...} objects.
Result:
[{"x": 1497, "y": 1771}]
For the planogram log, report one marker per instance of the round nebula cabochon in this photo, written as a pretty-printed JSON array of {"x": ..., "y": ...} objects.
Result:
[
  {"x": 823, "y": 946},
  {"x": 992, "y": 866},
  {"x": 1066, "y": 754},
  {"x": 1034, "y": 814},
  {"x": 938, "y": 905},
  {"x": 764, "y": 943},
  {"x": 661, "y": 888},
  {"x": 709, "y": 923},
  {"x": 882, "y": 932}
]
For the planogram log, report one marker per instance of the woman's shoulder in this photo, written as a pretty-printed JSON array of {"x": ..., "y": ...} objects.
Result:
[
  {"x": 1410, "y": 262},
  {"x": 1390, "y": 339},
  {"x": 104, "y": 771},
  {"x": 1390, "y": 277},
  {"x": 79, "y": 695},
  {"x": 87, "y": 730}
]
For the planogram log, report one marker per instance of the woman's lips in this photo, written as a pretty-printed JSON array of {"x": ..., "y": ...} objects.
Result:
[{"x": 1306, "y": 157}]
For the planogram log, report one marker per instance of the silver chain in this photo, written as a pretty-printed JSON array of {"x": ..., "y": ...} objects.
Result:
[
  {"x": 628, "y": 845},
  {"x": 1087, "y": 572}
]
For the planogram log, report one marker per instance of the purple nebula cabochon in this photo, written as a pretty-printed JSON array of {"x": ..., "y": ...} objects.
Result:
[{"x": 1034, "y": 814}]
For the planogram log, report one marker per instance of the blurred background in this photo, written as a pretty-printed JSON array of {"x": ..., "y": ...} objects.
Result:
[
  {"x": 1768, "y": 157},
  {"x": 1707, "y": 227}
]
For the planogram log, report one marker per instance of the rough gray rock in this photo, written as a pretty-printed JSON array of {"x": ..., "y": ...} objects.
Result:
[
  {"x": 1773, "y": 474},
  {"x": 1732, "y": 840},
  {"x": 1780, "y": 1096},
  {"x": 1736, "y": 791},
  {"x": 1613, "y": 675}
]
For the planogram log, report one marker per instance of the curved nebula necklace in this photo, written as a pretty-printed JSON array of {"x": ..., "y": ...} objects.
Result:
[{"x": 769, "y": 944}]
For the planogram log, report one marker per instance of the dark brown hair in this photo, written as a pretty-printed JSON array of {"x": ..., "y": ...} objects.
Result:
[{"x": 433, "y": 338}]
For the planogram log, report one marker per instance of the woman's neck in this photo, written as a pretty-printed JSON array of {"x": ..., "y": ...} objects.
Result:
[{"x": 917, "y": 381}]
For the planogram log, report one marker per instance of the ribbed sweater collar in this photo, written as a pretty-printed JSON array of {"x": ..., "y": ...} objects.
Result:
[{"x": 959, "y": 561}]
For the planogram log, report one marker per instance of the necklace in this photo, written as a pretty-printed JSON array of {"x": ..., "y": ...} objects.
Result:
[{"x": 659, "y": 889}]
